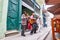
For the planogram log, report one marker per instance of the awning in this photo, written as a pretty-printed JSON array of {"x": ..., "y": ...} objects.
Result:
[
  {"x": 52, "y": 2},
  {"x": 27, "y": 6},
  {"x": 54, "y": 9}
]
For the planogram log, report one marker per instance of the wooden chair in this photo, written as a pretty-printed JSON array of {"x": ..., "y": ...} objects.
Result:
[{"x": 55, "y": 27}]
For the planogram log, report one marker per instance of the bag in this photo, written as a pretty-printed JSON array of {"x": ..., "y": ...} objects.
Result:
[{"x": 32, "y": 21}]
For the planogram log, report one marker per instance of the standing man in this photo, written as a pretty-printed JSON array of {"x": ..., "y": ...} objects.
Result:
[
  {"x": 24, "y": 23},
  {"x": 44, "y": 18}
]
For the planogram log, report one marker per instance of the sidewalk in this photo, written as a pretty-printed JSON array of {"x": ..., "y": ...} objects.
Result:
[{"x": 38, "y": 36}]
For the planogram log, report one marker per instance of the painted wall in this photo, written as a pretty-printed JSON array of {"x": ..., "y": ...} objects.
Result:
[
  {"x": 3, "y": 17},
  {"x": 1, "y": 2},
  {"x": 40, "y": 2}
]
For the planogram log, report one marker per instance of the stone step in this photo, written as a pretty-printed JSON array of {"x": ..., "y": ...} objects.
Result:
[{"x": 11, "y": 33}]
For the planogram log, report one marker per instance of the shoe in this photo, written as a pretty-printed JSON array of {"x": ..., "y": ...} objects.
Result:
[
  {"x": 23, "y": 35},
  {"x": 34, "y": 32},
  {"x": 31, "y": 33}
]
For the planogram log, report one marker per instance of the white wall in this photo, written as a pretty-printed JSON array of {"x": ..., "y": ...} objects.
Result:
[{"x": 4, "y": 19}]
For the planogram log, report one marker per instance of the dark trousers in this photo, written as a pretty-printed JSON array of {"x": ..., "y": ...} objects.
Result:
[
  {"x": 34, "y": 28},
  {"x": 23, "y": 29}
]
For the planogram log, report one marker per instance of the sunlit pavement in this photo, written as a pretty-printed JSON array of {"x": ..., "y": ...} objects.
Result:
[
  {"x": 38, "y": 36},
  {"x": 49, "y": 37}
]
